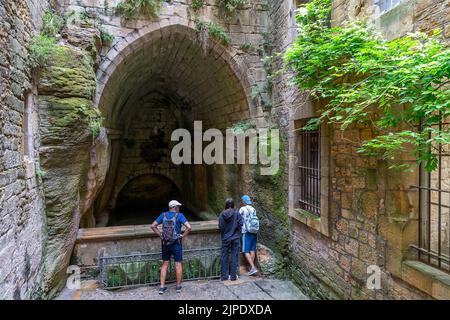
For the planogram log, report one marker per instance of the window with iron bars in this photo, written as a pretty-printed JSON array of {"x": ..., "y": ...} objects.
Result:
[
  {"x": 434, "y": 209},
  {"x": 309, "y": 171}
]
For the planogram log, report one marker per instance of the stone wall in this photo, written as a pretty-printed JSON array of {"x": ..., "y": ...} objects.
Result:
[
  {"x": 407, "y": 16},
  {"x": 22, "y": 213},
  {"x": 215, "y": 83},
  {"x": 369, "y": 213}
]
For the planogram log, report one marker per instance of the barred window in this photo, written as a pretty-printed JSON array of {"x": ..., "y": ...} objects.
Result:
[
  {"x": 434, "y": 209},
  {"x": 309, "y": 171}
]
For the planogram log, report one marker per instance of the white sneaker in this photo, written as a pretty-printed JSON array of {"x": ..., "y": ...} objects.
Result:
[{"x": 252, "y": 272}]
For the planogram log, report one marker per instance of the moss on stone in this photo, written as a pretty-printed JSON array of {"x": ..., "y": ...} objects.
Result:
[{"x": 70, "y": 74}]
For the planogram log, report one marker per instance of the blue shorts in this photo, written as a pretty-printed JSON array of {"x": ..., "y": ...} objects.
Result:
[
  {"x": 249, "y": 242},
  {"x": 175, "y": 249}
]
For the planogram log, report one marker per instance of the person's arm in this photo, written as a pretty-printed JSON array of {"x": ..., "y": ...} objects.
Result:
[
  {"x": 242, "y": 212},
  {"x": 221, "y": 222},
  {"x": 187, "y": 230},
  {"x": 155, "y": 229},
  {"x": 240, "y": 220}
]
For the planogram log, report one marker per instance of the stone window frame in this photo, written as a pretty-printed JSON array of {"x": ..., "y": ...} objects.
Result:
[
  {"x": 392, "y": 5},
  {"x": 395, "y": 21},
  {"x": 27, "y": 126},
  {"x": 292, "y": 24},
  {"x": 30, "y": 128},
  {"x": 320, "y": 224}
]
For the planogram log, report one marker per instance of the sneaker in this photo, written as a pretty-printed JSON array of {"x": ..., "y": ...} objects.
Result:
[
  {"x": 162, "y": 290},
  {"x": 178, "y": 289},
  {"x": 252, "y": 272}
]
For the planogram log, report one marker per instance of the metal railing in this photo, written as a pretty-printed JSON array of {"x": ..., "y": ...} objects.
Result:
[{"x": 144, "y": 269}]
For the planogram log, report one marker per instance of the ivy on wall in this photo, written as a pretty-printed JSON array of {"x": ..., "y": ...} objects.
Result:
[{"x": 392, "y": 86}]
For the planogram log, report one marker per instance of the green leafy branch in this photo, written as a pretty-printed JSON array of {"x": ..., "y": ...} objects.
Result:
[{"x": 400, "y": 88}]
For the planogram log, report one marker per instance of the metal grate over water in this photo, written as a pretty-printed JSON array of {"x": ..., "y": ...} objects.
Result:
[{"x": 144, "y": 269}]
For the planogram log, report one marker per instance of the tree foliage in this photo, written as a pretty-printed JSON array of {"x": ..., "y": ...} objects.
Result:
[{"x": 398, "y": 87}]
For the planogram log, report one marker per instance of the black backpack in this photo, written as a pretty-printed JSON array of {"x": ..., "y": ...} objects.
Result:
[{"x": 169, "y": 233}]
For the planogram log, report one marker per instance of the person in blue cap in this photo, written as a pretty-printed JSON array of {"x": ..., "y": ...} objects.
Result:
[{"x": 250, "y": 230}]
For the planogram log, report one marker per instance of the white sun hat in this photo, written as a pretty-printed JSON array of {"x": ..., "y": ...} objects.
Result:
[{"x": 174, "y": 203}]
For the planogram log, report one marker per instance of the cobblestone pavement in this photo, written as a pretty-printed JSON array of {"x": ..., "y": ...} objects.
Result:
[{"x": 252, "y": 288}]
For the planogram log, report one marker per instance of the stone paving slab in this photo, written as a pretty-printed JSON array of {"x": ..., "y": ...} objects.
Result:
[
  {"x": 281, "y": 290},
  {"x": 246, "y": 288}
]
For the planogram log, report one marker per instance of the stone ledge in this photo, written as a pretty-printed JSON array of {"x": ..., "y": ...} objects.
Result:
[
  {"x": 432, "y": 281},
  {"x": 135, "y": 232},
  {"x": 320, "y": 224}
]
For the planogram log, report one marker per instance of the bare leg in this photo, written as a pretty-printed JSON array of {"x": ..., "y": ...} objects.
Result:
[
  {"x": 179, "y": 272},
  {"x": 253, "y": 254},
  {"x": 164, "y": 268},
  {"x": 250, "y": 260}
]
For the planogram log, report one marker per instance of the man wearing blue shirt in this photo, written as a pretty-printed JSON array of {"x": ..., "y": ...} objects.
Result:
[{"x": 172, "y": 222}]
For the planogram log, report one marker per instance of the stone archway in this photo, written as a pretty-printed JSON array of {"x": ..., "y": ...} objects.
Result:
[{"x": 159, "y": 79}]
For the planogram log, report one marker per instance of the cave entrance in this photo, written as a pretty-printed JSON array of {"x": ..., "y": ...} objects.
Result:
[{"x": 144, "y": 198}]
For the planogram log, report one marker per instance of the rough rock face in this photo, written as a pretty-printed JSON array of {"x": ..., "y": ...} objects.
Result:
[
  {"x": 69, "y": 153},
  {"x": 267, "y": 260}
]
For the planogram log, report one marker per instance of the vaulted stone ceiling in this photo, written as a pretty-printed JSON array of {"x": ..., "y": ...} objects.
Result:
[{"x": 173, "y": 63}]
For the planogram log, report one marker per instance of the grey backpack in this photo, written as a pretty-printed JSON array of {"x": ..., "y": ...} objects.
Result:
[
  {"x": 252, "y": 220},
  {"x": 169, "y": 233}
]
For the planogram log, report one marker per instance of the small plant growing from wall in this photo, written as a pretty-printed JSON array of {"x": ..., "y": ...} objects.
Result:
[
  {"x": 42, "y": 49},
  {"x": 242, "y": 126},
  {"x": 246, "y": 47},
  {"x": 196, "y": 5},
  {"x": 210, "y": 29},
  {"x": 130, "y": 9},
  {"x": 38, "y": 171},
  {"x": 94, "y": 119},
  {"x": 52, "y": 24},
  {"x": 230, "y": 6},
  {"x": 43, "y": 46},
  {"x": 106, "y": 37}
]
